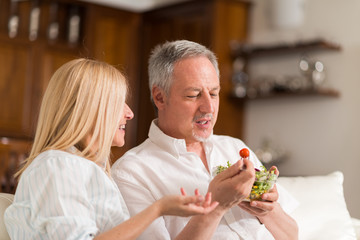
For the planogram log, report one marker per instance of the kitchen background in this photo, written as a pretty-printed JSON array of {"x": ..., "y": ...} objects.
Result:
[{"x": 301, "y": 128}]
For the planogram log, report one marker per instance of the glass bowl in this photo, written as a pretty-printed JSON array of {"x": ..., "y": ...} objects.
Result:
[{"x": 264, "y": 182}]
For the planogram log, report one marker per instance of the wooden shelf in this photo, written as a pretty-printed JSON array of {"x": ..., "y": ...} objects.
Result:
[
  {"x": 250, "y": 51},
  {"x": 324, "y": 92}
]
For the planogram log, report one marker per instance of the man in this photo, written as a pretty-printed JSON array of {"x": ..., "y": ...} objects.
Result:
[{"x": 183, "y": 151}]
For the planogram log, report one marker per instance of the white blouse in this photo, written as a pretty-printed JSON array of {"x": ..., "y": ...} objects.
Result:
[{"x": 63, "y": 196}]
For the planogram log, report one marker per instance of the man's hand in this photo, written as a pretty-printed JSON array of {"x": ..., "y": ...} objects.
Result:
[
  {"x": 269, "y": 203},
  {"x": 270, "y": 213},
  {"x": 233, "y": 185},
  {"x": 261, "y": 208}
]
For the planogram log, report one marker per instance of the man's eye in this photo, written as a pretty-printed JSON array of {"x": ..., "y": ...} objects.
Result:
[{"x": 194, "y": 95}]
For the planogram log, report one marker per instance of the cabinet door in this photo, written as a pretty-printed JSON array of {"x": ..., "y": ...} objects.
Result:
[
  {"x": 191, "y": 21},
  {"x": 230, "y": 24},
  {"x": 51, "y": 60},
  {"x": 112, "y": 35},
  {"x": 15, "y": 88}
]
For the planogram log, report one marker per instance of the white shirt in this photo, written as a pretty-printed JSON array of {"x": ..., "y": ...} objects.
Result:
[
  {"x": 161, "y": 165},
  {"x": 63, "y": 196}
]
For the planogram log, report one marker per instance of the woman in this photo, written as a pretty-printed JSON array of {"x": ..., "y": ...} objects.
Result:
[{"x": 65, "y": 190}]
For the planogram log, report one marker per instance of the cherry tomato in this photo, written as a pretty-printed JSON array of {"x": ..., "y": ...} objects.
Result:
[{"x": 244, "y": 153}]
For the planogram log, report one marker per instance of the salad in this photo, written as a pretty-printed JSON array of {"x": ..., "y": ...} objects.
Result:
[{"x": 264, "y": 179}]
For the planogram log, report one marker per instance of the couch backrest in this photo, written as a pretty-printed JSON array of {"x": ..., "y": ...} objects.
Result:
[{"x": 5, "y": 200}]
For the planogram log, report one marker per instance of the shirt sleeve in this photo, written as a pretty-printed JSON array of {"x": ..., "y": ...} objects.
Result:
[
  {"x": 137, "y": 198},
  {"x": 56, "y": 205}
]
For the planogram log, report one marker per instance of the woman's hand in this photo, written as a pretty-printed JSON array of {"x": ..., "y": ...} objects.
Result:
[{"x": 183, "y": 205}]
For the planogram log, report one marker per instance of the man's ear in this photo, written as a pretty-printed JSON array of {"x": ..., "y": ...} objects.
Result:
[{"x": 158, "y": 97}]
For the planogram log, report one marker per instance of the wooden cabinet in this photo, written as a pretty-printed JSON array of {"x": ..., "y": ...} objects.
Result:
[
  {"x": 213, "y": 23},
  {"x": 27, "y": 63}
]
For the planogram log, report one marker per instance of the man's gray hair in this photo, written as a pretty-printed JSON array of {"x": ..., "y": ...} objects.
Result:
[{"x": 164, "y": 56}]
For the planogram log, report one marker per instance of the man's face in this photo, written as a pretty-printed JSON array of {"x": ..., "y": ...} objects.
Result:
[{"x": 190, "y": 110}]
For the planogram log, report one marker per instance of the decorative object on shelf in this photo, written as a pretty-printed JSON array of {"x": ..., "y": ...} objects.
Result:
[
  {"x": 13, "y": 24},
  {"x": 318, "y": 74},
  {"x": 270, "y": 154},
  {"x": 74, "y": 25},
  {"x": 53, "y": 30},
  {"x": 239, "y": 78},
  {"x": 261, "y": 86},
  {"x": 304, "y": 66},
  {"x": 313, "y": 71},
  {"x": 34, "y": 20},
  {"x": 63, "y": 20},
  {"x": 286, "y": 14}
]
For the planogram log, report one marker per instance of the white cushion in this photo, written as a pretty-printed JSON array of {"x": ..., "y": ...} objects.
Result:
[
  {"x": 5, "y": 200},
  {"x": 322, "y": 213},
  {"x": 356, "y": 224}
]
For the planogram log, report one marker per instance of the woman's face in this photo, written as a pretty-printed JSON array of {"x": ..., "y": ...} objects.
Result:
[{"x": 119, "y": 138}]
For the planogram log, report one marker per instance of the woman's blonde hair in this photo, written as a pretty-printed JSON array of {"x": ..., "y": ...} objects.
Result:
[{"x": 83, "y": 102}]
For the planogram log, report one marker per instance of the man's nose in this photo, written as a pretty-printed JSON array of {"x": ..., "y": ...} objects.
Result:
[{"x": 207, "y": 104}]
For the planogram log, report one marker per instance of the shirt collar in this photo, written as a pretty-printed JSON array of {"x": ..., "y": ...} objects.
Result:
[
  {"x": 172, "y": 145},
  {"x": 75, "y": 151}
]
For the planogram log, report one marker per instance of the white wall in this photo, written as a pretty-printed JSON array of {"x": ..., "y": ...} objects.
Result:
[{"x": 321, "y": 134}]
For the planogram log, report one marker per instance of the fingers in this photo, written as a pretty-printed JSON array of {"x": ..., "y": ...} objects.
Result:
[
  {"x": 200, "y": 199},
  {"x": 210, "y": 208},
  {"x": 193, "y": 200},
  {"x": 248, "y": 164},
  {"x": 252, "y": 209},
  {"x": 197, "y": 204},
  {"x": 231, "y": 171},
  {"x": 197, "y": 199},
  {"x": 272, "y": 195},
  {"x": 182, "y": 190},
  {"x": 206, "y": 205},
  {"x": 261, "y": 208},
  {"x": 248, "y": 172},
  {"x": 207, "y": 201},
  {"x": 258, "y": 208},
  {"x": 276, "y": 171}
]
